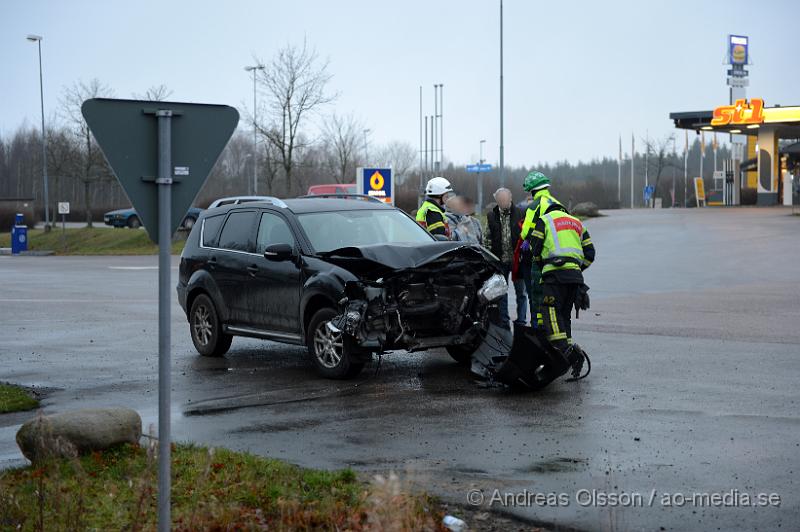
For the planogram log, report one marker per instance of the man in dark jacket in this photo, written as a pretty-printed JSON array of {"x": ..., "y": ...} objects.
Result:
[{"x": 503, "y": 227}]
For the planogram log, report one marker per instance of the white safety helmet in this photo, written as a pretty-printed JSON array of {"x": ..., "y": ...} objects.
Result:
[{"x": 438, "y": 186}]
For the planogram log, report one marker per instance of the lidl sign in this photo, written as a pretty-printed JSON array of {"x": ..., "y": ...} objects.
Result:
[{"x": 375, "y": 182}]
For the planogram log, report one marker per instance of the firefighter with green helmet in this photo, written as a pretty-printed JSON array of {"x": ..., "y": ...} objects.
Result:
[
  {"x": 562, "y": 248},
  {"x": 538, "y": 185}
]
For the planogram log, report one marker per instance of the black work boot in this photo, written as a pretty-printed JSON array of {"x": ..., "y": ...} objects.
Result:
[{"x": 576, "y": 357}]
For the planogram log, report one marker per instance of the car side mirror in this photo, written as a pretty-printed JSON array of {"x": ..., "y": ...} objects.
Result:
[
  {"x": 278, "y": 252},
  {"x": 442, "y": 238}
]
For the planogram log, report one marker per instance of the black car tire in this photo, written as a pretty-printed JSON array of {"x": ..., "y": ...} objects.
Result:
[
  {"x": 206, "y": 329},
  {"x": 322, "y": 347},
  {"x": 188, "y": 222},
  {"x": 461, "y": 353},
  {"x": 134, "y": 222}
]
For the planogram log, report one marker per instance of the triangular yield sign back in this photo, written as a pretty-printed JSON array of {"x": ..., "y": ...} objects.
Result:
[{"x": 127, "y": 132}]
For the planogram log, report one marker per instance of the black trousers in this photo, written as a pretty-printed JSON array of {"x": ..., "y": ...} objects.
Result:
[{"x": 557, "y": 302}]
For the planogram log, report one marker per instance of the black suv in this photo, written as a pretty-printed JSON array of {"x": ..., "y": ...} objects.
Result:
[{"x": 345, "y": 277}]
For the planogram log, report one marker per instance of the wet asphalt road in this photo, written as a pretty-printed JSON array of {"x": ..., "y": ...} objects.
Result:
[{"x": 694, "y": 335}]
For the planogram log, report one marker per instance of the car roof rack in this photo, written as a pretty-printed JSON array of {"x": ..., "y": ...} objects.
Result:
[
  {"x": 363, "y": 197},
  {"x": 275, "y": 201}
]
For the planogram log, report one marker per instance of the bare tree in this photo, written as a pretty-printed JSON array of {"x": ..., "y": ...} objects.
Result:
[
  {"x": 294, "y": 84},
  {"x": 340, "y": 139},
  {"x": 156, "y": 93},
  {"x": 402, "y": 157},
  {"x": 659, "y": 158},
  {"x": 93, "y": 168}
]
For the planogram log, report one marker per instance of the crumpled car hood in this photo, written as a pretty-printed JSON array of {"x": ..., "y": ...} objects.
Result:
[{"x": 398, "y": 257}]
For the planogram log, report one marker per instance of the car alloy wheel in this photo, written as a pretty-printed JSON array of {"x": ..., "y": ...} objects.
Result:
[
  {"x": 201, "y": 322},
  {"x": 328, "y": 346}
]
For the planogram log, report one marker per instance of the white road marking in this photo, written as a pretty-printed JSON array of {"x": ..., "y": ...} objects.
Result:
[
  {"x": 20, "y": 300},
  {"x": 137, "y": 268}
]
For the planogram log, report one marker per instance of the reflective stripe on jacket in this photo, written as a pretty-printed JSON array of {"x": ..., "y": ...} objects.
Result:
[
  {"x": 431, "y": 217},
  {"x": 562, "y": 243},
  {"x": 541, "y": 201}
]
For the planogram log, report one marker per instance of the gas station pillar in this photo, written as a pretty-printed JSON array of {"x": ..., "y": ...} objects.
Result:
[{"x": 768, "y": 161}]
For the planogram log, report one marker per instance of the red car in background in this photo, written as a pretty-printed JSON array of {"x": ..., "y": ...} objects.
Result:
[{"x": 336, "y": 188}]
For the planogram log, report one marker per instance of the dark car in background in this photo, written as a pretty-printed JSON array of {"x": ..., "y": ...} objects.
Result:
[
  {"x": 129, "y": 218},
  {"x": 345, "y": 278}
]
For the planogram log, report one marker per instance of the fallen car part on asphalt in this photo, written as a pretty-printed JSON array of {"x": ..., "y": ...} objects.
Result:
[{"x": 534, "y": 363}]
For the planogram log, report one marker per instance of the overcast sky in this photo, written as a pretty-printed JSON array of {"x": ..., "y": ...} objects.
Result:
[{"x": 577, "y": 74}]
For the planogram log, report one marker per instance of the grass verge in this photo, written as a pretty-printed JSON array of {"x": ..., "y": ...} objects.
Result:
[
  {"x": 15, "y": 399},
  {"x": 92, "y": 241},
  {"x": 211, "y": 490}
]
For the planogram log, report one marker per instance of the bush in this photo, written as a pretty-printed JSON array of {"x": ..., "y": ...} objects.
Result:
[{"x": 9, "y": 209}]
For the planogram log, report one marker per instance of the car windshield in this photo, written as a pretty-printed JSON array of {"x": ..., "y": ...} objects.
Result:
[{"x": 338, "y": 229}]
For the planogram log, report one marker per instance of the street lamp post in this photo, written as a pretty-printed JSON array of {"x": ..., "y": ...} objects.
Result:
[
  {"x": 502, "y": 165},
  {"x": 366, "y": 154},
  {"x": 255, "y": 127},
  {"x": 38, "y": 40},
  {"x": 480, "y": 178}
]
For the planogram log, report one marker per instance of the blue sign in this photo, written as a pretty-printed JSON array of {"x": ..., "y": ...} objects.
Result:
[
  {"x": 376, "y": 182},
  {"x": 648, "y": 193},
  {"x": 479, "y": 168}
]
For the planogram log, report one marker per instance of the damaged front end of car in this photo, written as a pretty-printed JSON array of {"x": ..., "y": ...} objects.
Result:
[{"x": 434, "y": 296}]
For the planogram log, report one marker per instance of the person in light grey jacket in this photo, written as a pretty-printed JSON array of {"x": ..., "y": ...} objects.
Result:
[{"x": 463, "y": 225}]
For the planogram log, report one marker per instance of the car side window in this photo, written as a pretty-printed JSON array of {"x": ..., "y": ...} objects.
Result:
[
  {"x": 237, "y": 231},
  {"x": 211, "y": 227},
  {"x": 273, "y": 230}
]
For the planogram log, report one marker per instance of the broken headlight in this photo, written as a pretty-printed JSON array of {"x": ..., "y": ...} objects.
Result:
[{"x": 493, "y": 289}]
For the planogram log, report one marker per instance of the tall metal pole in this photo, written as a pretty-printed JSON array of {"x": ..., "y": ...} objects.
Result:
[
  {"x": 253, "y": 69},
  {"x": 441, "y": 124},
  {"x": 633, "y": 156},
  {"x": 435, "y": 117},
  {"x": 421, "y": 171},
  {"x": 502, "y": 167},
  {"x": 685, "y": 167},
  {"x": 38, "y": 40},
  {"x": 619, "y": 174},
  {"x": 480, "y": 179},
  {"x": 426, "y": 152},
  {"x": 674, "y": 171},
  {"x": 164, "y": 183},
  {"x": 255, "y": 139}
]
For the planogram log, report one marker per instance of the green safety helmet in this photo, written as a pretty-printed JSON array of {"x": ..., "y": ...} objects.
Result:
[{"x": 535, "y": 181}]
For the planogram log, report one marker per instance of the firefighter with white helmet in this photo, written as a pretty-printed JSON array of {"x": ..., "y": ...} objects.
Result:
[{"x": 431, "y": 213}]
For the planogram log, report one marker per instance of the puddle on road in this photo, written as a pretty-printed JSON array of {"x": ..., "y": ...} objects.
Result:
[{"x": 556, "y": 465}]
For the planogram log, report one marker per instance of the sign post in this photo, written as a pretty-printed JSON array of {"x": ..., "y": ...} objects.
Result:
[
  {"x": 164, "y": 183},
  {"x": 63, "y": 210},
  {"x": 141, "y": 152},
  {"x": 479, "y": 169}
]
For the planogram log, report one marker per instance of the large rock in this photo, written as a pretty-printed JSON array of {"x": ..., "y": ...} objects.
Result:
[
  {"x": 586, "y": 209},
  {"x": 77, "y": 432}
]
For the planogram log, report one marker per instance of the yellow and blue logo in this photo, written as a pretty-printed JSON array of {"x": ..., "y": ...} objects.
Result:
[{"x": 377, "y": 182}]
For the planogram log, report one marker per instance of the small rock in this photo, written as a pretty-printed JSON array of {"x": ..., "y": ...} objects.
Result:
[{"x": 78, "y": 432}]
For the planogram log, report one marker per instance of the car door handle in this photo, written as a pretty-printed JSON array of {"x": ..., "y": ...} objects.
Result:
[
  {"x": 253, "y": 270},
  {"x": 212, "y": 262}
]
